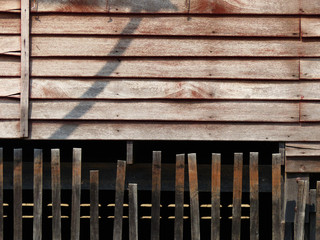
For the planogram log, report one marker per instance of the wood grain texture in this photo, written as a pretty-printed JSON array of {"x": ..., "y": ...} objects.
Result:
[
  {"x": 43, "y": 46},
  {"x": 56, "y": 194},
  {"x": 194, "y": 196},
  {"x": 163, "y": 110},
  {"x": 37, "y": 194},
  {"x": 237, "y": 196},
  {"x": 9, "y": 109},
  {"x": 303, "y": 149},
  {"x": 156, "y": 195},
  {"x": 10, "y": 5},
  {"x": 318, "y": 211},
  {"x": 276, "y": 196},
  {"x": 310, "y": 7},
  {"x": 310, "y": 27},
  {"x": 133, "y": 211},
  {"x": 10, "y": 45},
  {"x": 76, "y": 194},
  {"x": 254, "y": 196},
  {"x": 173, "y": 131},
  {"x": 245, "y": 7},
  {"x": 303, "y": 190},
  {"x": 1, "y": 195},
  {"x": 129, "y": 157},
  {"x": 215, "y": 195},
  {"x": 94, "y": 204},
  {"x": 17, "y": 194},
  {"x": 63, "y": 88},
  {"x": 10, "y": 23},
  {"x": 119, "y": 197},
  {"x": 310, "y": 112},
  {"x": 9, "y": 129},
  {"x": 11, "y": 87},
  {"x": 169, "y": 68},
  {"x": 310, "y": 68},
  {"x": 25, "y": 68},
  {"x": 9, "y": 66},
  {"x": 302, "y": 165},
  {"x": 179, "y": 197},
  {"x": 166, "y": 25}
]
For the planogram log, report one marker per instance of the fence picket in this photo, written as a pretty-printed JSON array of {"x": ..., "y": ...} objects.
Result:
[
  {"x": 276, "y": 196},
  {"x": 254, "y": 196},
  {"x": 94, "y": 205},
  {"x": 17, "y": 194},
  {"x": 318, "y": 211},
  {"x": 133, "y": 211},
  {"x": 1, "y": 194},
  {"x": 156, "y": 195},
  {"x": 215, "y": 196},
  {"x": 303, "y": 189},
  {"x": 179, "y": 197},
  {"x": 56, "y": 194},
  {"x": 37, "y": 194}
]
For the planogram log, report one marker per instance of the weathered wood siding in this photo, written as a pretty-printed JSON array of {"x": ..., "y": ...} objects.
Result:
[{"x": 173, "y": 69}]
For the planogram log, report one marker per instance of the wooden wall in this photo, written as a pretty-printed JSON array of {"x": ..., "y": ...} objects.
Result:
[{"x": 183, "y": 70}]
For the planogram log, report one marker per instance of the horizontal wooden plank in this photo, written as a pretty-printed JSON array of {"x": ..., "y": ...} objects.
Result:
[
  {"x": 245, "y": 6},
  {"x": 10, "y": 23},
  {"x": 9, "y": 129},
  {"x": 303, "y": 165},
  {"x": 174, "y": 131},
  {"x": 166, "y": 25},
  {"x": 302, "y": 149},
  {"x": 168, "y": 68},
  {"x": 59, "y": 88},
  {"x": 10, "y": 66},
  {"x": 9, "y": 109},
  {"x": 10, "y": 87},
  {"x": 10, "y": 5},
  {"x": 310, "y": 112},
  {"x": 165, "y": 111},
  {"x": 310, "y": 68},
  {"x": 310, "y": 7},
  {"x": 310, "y": 27},
  {"x": 129, "y": 46},
  {"x": 10, "y": 45}
]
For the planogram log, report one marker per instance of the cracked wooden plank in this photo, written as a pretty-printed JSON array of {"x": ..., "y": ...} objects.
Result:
[{"x": 303, "y": 149}]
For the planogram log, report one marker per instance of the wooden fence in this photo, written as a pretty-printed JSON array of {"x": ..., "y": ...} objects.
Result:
[{"x": 278, "y": 221}]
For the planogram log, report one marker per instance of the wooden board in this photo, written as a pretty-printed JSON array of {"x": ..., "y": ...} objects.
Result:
[
  {"x": 303, "y": 165},
  {"x": 179, "y": 197},
  {"x": 9, "y": 129},
  {"x": 215, "y": 195},
  {"x": 310, "y": 27},
  {"x": 310, "y": 7},
  {"x": 76, "y": 194},
  {"x": 63, "y": 88},
  {"x": 10, "y": 45},
  {"x": 1, "y": 194},
  {"x": 156, "y": 195},
  {"x": 245, "y": 6},
  {"x": 37, "y": 194},
  {"x": 254, "y": 196},
  {"x": 9, "y": 109},
  {"x": 133, "y": 211},
  {"x": 132, "y": 46},
  {"x": 10, "y": 23},
  {"x": 56, "y": 194},
  {"x": 17, "y": 194},
  {"x": 302, "y": 149},
  {"x": 276, "y": 197},
  {"x": 11, "y": 89},
  {"x": 318, "y": 211},
  {"x": 160, "y": 110},
  {"x": 310, "y": 68},
  {"x": 310, "y": 112},
  {"x": 173, "y": 131},
  {"x": 9, "y": 66},
  {"x": 165, "y": 68},
  {"x": 10, "y": 5},
  {"x": 299, "y": 223},
  {"x": 166, "y": 25},
  {"x": 94, "y": 204}
]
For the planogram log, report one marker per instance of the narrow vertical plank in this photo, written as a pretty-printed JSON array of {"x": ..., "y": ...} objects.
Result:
[
  {"x": 37, "y": 194},
  {"x": 312, "y": 214},
  {"x": 276, "y": 196},
  {"x": 179, "y": 197},
  {"x": 76, "y": 194},
  {"x": 1, "y": 194},
  {"x": 254, "y": 196},
  {"x": 237, "y": 196},
  {"x": 17, "y": 194},
  {"x": 25, "y": 67},
  {"x": 94, "y": 205},
  {"x": 156, "y": 195},
  {"x": 318, "y": 212},
  {"x": 194, "y": 197},
  {"x": 56, "y": 192},
  {"x": 118, "y": 209},
  {"x": 133, "y": 211},
  {"x": 129, "y": 152},
  {"x": 303, "y": 190},
  {"x": 215, "y": 196},
  {"x": 282, "y": 151}
]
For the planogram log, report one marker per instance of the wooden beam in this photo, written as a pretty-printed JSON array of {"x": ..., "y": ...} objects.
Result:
[
  {"x": 215, "y": 195},
  {"x": 254, "y": 196},
  {"x": 133, "y": 211},
  {"x": 25, "y": 67},
  {"x": 56, "y": 194},
  {"x": 17, "y": 194},
  {"x": 276, "y": 197},
  {"x": 129, "y": 152},
  {"x": 156, "y": 195},
  {"x": 94, "y": 205},
  {"x": 303, "y": 190},
  {"x": 37, "y": 194},
  {"x": 194, "y": 196}
]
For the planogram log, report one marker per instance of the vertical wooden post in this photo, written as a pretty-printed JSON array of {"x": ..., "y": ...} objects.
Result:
[
  {"x": 312, "y": 214},
  {"x": 1, "y": 194},
  {"x": 25, "y": 67},
  {"x": 254, "y": 196},
  {"x": 56, "y": 192},
  {"x": 37, "y": 195},
  {"x": 118, "y": 209},
  {"x": 303, "y": 190},
  {"x": 129, "y": 152},
  {"x": 17, "y": 194},
  {"x": 179, "y": 197},
  {"x": 194, "y": 197},
  {"x": 318, "y": 212},
  {"x": 76, "y": 194},
  {"x": 94, "y": 205},
  {"x": 215, "y": 196},
  {"x": 276, "y": 196},
  {"x": 237, "y": 196},
  {"x": 133, "y": 211},
  {"x": 156, "y": 195}
]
